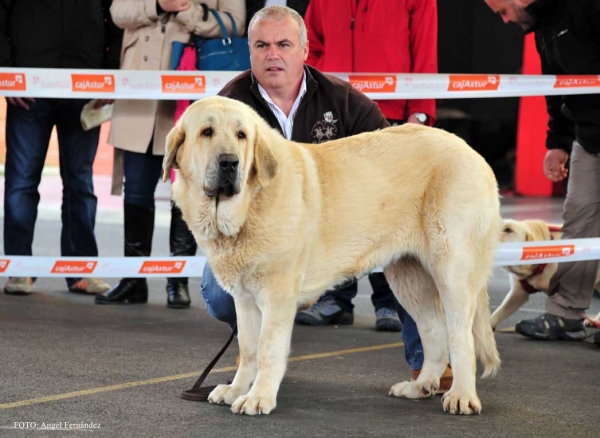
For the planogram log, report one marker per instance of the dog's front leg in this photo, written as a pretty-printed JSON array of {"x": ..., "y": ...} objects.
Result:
[
  {"x": 248, "y": 323},
  {"x": 273, "y": 349}
]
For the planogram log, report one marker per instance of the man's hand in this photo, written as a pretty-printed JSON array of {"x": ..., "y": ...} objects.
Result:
[
  {"x": 101, "y": 102},
  {"x": 20, "y": 101},
  {"x": 174, "y": 5},
  {"x": 554, "y": 165}
]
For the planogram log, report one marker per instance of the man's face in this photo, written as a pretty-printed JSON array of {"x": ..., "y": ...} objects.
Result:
[
  {"x": 512, "y": 11},
  {"x": 276, "y": 55}
]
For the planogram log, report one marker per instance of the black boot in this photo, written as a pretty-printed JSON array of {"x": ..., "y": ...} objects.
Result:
[
  {"x": 139, "y": 227},
  {"x": 182, "y": 243}
]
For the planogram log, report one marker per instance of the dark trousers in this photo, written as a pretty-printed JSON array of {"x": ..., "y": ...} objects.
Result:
[
  {"x": 382, "y": 294},
  {"x": 142, "y": 171},
  {"x": 27, "y": 138}
]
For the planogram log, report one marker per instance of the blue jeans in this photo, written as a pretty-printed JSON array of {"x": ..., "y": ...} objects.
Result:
[
  {"x": 413, "y": 349},
  {"x": 27, "y": 138},
  {"x": 220, "y": 305},
  {"x": 142, "y": 172}
]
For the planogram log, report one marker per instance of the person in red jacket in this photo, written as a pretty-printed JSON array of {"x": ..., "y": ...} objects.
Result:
[{"x": 372, "y": 36}]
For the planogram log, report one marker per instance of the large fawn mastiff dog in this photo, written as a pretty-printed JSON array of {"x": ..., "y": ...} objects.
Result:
[{"x": 281, "y": 222}]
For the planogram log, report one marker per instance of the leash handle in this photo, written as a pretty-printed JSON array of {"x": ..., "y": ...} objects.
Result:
[{"x": 197, "y": 393}]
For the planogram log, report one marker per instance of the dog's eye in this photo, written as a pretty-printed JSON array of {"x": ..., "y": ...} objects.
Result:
[
  {"x": 241, "y": 135},
  {"x": 508, "y": 230},
  {"x": 207, "y": 132}
]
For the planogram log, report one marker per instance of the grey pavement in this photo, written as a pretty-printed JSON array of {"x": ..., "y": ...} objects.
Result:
[{"x": 64, "y": 359}]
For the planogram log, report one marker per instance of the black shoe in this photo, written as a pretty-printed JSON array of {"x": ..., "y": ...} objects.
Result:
[
  {"x": 127, "y": 291},
  {"x": 597, "y": 338},
  {"x": 178, "y": 294},
  {"x": 550, "y": 327}
]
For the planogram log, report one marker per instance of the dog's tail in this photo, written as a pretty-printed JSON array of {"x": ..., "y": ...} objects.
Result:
[{"x": 485, "y": 343}]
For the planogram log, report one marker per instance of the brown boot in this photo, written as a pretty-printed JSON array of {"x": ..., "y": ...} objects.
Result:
[{"x": 445, "y": 380}]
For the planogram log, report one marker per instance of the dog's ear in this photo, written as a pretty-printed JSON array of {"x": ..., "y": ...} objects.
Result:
[
  {"x": 265, "y": 163},
  {"x": 537, "y": 230},
  {"x": 175, "y": 139}
]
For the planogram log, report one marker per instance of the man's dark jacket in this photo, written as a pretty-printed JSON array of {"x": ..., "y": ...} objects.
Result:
[
  {"x": 330, "y": 109},
  {"x": 567, "y": 34},
  {"x": 58, "y": 34}
]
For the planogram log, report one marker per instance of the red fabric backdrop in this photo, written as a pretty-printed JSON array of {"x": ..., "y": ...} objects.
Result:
[{"x": 531, "y": 134}]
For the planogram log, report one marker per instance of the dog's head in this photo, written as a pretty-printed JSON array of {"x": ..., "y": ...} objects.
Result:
[
  {"x": 217, "y": 145},
  {"x": 219, "y": 149},
  {"x": 524, "y": 231}
]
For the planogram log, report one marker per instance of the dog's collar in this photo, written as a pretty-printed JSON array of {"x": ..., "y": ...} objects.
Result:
[{"x": 528, "y": 287}]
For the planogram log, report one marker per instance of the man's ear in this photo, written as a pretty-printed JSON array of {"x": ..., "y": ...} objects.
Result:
[
  {"x": 175, "y": 139},
  {"x": 265, "y": 164}
]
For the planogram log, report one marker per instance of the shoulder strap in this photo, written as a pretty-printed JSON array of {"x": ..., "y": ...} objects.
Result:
[
  {"x": 221, "y": 25},
  {"x": 233, "y": 26}
]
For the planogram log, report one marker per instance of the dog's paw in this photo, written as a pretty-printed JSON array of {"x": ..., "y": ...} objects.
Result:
[
  {"x": 224, "y": 394},
  {"x": 456, "y": 402},
  {"x": 415, "y": 390},
  {"x": 253, "y": 405}
]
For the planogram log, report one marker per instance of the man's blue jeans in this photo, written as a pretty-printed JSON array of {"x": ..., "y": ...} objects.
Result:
[
  {"x": 220, "y": 305},
  {"x": 27, "y": 137}
]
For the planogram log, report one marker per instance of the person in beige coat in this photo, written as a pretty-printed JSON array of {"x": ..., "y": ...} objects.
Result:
[{"x": 139, "y": 127}]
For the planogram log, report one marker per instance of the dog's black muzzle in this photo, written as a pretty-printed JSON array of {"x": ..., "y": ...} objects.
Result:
[{"x": 226, "y": 181}]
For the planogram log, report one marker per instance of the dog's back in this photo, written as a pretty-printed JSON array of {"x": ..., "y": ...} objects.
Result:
[{"x": 383, "y": 193}]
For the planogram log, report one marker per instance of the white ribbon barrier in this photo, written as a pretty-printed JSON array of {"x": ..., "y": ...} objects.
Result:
[
  {"x": 508, "y": 254},
  {"x": 176, "y": 85}
]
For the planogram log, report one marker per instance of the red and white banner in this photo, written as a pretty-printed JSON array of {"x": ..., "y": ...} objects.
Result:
[
  {"x": 508, "y": 254},
  {"x": 174, "y": 85}
]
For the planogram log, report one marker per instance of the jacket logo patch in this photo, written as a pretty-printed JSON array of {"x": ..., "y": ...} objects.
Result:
[{"x": 324, "y": 130}]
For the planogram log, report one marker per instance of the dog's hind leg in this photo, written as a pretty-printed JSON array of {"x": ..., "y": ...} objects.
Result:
[
  {"x": 416, "y": 291},
  {"x": 248, "y": 324},
  {"x": 459, "y": 283}
]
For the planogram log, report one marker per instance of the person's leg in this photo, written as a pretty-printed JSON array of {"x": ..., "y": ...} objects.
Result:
[
  {"x": 219, "y": 304},
  {"x": 181, "y": 243},
  {"x": 385, "y": 304},
  {"x": 572, "y": 285},
  {"x": 27, "y": 137},
  {"x": 141, "y": 177},
  {"x": 77, "y": 151},
  {"x": 334, "y": 307},
  {"x": 413, "y": 349}
]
